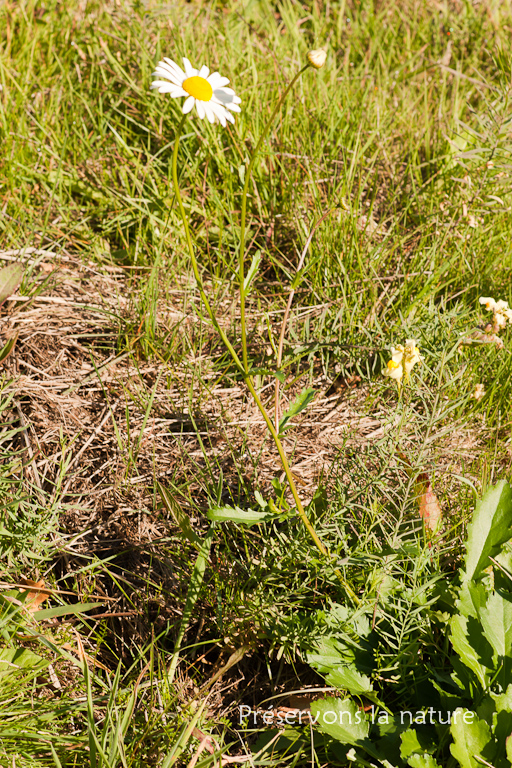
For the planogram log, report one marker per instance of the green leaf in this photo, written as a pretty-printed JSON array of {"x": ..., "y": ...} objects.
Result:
[
  {"x": 489, "y": 529},
  {"x": 340, "y": 719},
  {"x": 469, "y": 643},
  {"x": 301, "y": 401},
  {"x": 252, "y": 272},
  {"x": 10, "y": 278},
  {"x": 496, "y": 618},
  {"x": 410, "y": 743},
  {"x": 347, "y": 678},
  {"x": 65, "y": 610},
  {"x": 423, "y": 761},
  {"x": 13, "y": 660},
  {"x": 470, "y": 737},
  {"x": 237, "y": 515},
  {"x": 8, "y": 347},
  {"x": 267, "y": 372},
  {"x": 179, "y": 515}
]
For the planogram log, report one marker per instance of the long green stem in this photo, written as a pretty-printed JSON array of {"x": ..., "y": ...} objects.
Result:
[
  {"x": 191, "y": 251},
  {"x": 243, "y": 215},
  {"x": 243, "y": 365}
]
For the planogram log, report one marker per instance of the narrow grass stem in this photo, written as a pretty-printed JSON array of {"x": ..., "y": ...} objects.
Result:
[{"x": 243, "y": 214}]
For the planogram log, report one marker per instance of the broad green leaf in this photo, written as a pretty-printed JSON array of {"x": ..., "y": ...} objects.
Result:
[
  {"x": 327, "y": 656},
  {"x": 301, "y": 401},
  {"x": 13, "y": 660},
  {"x": 347, "y": 678},
  {"x": 237, "y": 515},
  {"x": 340, "y": 719},
  {"x": 409, "y": 743},
  {"x": 10, "y": 278},
  {"x": 422, "y": 761},
  {"x": 489, "y": 529},
  {"x": 503, "y": 701},
  {"x": 252, "y": 272},
  {"x": 65, "y": 610},
  {"x": 467, "y": 640},
  {"x": 502, "y": 719},
  {"x": 496, "y": 618},
  {"x": 470, "y": 737}
]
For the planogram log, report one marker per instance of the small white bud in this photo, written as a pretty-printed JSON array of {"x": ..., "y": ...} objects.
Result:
[{"x": 317, "y": 58}]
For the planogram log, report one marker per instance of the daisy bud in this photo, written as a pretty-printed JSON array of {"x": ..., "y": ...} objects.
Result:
[{"x": 317, "y": 58}]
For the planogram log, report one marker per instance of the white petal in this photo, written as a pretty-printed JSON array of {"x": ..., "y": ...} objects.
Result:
[
  {"x": 233, "y": 107},
  {"x": 217, "y": 81},
  {"x": 229, "y": 116},
  {"x": 204, "y": 72},
  {"x": 200, "y": 109},
  {"x": 164, "y": 71},
  {"x": 224, "y": 96},
  {"x": 178, "y": 92},
  {"x": 189, "y": 69},
  {"x": 219, "y": 111},
  {"x": 210, "y": 112},
  {"x": 188, "y": 105},
  {"x": 162, "y": 86},
  {"x": 176, "y": 67}
]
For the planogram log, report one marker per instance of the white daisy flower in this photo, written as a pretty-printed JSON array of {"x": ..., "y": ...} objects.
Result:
[{"x": 207, "y": 92}]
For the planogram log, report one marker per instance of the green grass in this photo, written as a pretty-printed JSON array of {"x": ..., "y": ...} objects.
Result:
[{"x": 403, "y": 139}]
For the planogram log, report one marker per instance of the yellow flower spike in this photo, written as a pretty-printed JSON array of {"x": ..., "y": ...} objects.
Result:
[
  {"x": 394, "y": 370},
  {"x": 411, "y": 355},
  {"x": 500, "y": 309},
  {"x": 317, "y": 58},
  {"x": 488, "y": 302},
  {"x": 403, "y": 359}
]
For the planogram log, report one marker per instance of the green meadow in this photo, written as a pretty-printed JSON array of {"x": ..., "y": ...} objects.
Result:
[{"x": 255, "y": 430}]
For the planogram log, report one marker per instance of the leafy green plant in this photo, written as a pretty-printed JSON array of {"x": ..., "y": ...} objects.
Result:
[{"x": 461, "y": 714}]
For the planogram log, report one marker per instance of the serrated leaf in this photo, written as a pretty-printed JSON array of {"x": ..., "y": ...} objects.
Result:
[
  {"x": 299, "y": 404},
  {"x": 268, "y": 372},
  {"x": 467, "y": 641},
  {"x": 469, "y": 738},
  {"x": 237, "y": 515},
  {"x": 422, "y": 761},
  {"x": 496, "y": 618},
  {"x": 489, "y": 529},
  {"x": 348, "y": 678},
  {"x": 10, "y": 278},
  {"x": 409, "y": 743},
  {"x": 340, "y": 719}
]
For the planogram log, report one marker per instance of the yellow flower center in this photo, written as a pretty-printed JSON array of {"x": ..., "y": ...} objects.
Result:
[
  {"x": 198, "y": 87},
  {"x": 392, "y": 365}
]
